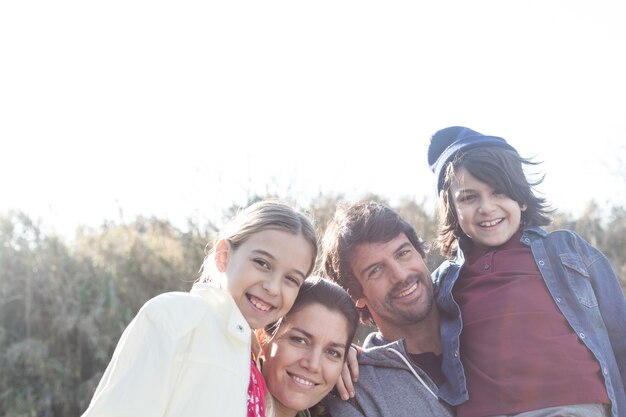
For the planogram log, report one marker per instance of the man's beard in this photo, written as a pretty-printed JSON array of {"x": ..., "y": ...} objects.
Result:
[{"x": 413, "y": 314}]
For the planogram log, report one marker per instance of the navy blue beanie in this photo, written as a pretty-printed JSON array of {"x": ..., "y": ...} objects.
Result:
[{"x": 445, "y": 143}]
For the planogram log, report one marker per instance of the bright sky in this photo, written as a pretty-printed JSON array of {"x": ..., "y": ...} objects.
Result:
[{"x": 181, "y": 108}]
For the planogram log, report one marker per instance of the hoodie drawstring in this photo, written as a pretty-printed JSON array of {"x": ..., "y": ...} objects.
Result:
[{"x": 419, "y": 378}]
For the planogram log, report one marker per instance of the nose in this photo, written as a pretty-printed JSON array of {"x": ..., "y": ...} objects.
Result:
[
  {"x": 397, "y": 272},
  {"x": 311, "y": 361},
  {"x": 486, "y": 205},
  {"x": 271, "y": 284}
]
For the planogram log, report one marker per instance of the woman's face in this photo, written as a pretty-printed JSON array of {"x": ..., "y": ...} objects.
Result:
[{"x": 305, "y": 357}]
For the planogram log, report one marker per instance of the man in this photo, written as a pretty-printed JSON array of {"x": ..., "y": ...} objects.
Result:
[{"x": 378, "y": 258}]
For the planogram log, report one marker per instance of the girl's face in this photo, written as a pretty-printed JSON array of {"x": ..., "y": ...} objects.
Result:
[
  {"x": 305, "y": 357},
  {"x": 264, "y": 274},
  {"x": 487, "y": 216}
]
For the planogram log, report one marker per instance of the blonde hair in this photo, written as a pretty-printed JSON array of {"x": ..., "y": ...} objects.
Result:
[{"x": 262, "y": 215}]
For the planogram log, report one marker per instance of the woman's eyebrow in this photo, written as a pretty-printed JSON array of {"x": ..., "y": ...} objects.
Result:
[{"x": 312, "y": 337}]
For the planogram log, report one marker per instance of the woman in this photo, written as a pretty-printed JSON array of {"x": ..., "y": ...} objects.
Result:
[{"x": 303, "y": 353}]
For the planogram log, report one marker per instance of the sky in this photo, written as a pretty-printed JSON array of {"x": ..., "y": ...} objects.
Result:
[{"x": 109, "y": 110}]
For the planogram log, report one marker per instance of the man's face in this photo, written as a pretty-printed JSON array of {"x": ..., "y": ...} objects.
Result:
[{"x": 397, "y": 288}]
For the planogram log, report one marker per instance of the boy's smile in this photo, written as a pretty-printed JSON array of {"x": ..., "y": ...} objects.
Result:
[{"x": 487, "y": 216}]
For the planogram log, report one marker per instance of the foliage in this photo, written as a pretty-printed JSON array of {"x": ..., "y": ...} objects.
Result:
[{"x": 63, "y": 306}]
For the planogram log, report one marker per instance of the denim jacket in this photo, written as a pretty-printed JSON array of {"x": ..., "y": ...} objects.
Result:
[{"x": 583, "y": 286}]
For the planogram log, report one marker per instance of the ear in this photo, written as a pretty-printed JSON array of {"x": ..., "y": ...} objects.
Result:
[
  {"x": 222, "y": 254},
  {"x": 523, "y": 207},
  {"x": 360, "y": 303}
]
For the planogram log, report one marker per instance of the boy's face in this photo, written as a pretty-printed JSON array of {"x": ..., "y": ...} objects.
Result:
[{"x": 487, "y": 216}]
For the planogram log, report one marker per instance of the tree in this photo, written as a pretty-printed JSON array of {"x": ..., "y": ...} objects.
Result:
[{"x": 64, "y": 306}]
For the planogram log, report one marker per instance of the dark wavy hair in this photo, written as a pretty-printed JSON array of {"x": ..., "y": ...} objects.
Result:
[{"x": 503, "y": 170}]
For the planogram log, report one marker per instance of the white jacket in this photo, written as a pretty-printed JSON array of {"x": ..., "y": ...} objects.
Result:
[{"x": 183, "y": 355}]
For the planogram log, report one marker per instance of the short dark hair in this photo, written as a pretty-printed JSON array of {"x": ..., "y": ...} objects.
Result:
[
  {"x": 503, "y": 170},
  {"x": 356, "y": 224}
]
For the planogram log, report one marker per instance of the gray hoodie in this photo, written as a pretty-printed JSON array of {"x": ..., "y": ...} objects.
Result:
[{"x": 389, "y": 385}]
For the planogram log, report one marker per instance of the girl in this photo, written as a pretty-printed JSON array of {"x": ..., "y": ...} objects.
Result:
[
  {"x": 533, "y": 323},
  {"x": 189, "y": 354},
  {"x": 304, "y": 353}
]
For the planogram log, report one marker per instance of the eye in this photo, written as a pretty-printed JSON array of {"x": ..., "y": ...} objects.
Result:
[
  {"x": 294, "y": 280},
  {"x": 403, "y": 253},
  {"x": 335, "y": 353},
  {"x": 298, "y": 340},
  {"x": 375, "y": 271},
  {"x": 465, "y": 198},
  {"x": 262, "y": 263}
]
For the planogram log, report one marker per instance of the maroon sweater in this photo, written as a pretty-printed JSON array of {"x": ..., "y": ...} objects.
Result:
[{"x": 518, "y": 352}]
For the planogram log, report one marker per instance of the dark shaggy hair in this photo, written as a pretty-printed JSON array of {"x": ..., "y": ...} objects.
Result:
[{"x": 503, "y": 170}]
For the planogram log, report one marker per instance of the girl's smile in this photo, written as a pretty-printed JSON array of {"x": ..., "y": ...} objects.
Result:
[{"x": 264, "y": 274}]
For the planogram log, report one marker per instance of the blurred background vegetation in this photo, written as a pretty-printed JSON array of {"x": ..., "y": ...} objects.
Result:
[{"x": 64, "y": 303}]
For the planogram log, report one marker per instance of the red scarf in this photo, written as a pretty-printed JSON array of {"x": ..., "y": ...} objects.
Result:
[{"x": 256, "y": 392}]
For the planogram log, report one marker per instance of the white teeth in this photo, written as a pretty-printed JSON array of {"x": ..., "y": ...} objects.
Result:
[
  {"x": 490, "y": 223},
  {"x": 258, "y": 304},
  {"x": 302, "y": 381},
  {"x": 408, "y": 290}
]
